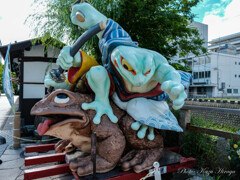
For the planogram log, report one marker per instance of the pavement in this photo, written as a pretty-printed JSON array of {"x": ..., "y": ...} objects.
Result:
[{"x": 12, "y": 167}]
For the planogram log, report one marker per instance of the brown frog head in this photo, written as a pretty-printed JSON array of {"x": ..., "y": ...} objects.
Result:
[{"x": 65, "y": 118}]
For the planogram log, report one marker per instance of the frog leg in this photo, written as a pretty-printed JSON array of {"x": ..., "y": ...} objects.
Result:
[
  {"x": 141, "y": 160},
  {"x": 109, "y": 149},
  {"x": 144, "y": 152},
  {"x": 99, "y": 82}
]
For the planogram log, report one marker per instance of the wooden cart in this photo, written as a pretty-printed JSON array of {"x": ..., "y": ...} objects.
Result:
[{"x": 170, "y": 162}]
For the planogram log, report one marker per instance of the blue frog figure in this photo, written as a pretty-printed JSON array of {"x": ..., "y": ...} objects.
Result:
[{"x": 138, "y": 80}]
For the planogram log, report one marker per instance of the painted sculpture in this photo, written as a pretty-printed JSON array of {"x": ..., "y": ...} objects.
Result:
[
  {"x": 66, "y": 120},
  {"x": 132, "y": 79}
]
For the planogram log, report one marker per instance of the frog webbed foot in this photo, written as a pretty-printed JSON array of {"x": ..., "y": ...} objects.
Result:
[
  {"x": 143, "y": 130},
  {"x": 141, "y": 160},
  {"x": 100, "y": 109},
  {"x": 84, "y": 166}
]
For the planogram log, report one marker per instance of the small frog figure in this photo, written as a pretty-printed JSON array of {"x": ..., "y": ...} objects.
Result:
[{"x": 138, "y": 80}]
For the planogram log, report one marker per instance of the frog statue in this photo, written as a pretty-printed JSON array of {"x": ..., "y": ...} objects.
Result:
[
  {"x": 67, "y": 121},
  {"x": 132, "y": 79}
]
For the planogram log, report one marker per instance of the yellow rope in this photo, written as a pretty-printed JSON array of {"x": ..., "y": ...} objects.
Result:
[
  {"x": 23, "y": 139},
  {"x": 148, "y": 175}
]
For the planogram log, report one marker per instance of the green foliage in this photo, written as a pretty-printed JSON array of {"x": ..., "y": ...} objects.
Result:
[
  {"x": 159, "y": 25},
  {"x": 234, "y": 155},
  {"x": 211, "y": 124},
  {"x": 180, "y": 66},
  {"x": 1, "y": 76},
  {"x": 14, "y": 84},
  {"x": 203, "y": 147}
]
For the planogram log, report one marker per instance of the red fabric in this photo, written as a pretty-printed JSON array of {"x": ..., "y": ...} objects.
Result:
[
  {"x": 72, "y": 71},
  {"x": 154, "y": 92}
]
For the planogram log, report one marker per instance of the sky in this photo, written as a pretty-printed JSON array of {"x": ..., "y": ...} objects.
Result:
[
  {"x": 221, "y": 16},
  {"x": 12, "y": 16}
]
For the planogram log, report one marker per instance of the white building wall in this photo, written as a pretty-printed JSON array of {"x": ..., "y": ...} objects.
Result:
[
  {"x": 203, "y": 34},
  {"x": 35, "y": 71},
  {"x": 229, "y": 72},
  {"x": 224, "y": 69},
  {"x": 203, "y": 31},
  {"x": 53, "y": 52},
  {"x": 36, "y": 51}
]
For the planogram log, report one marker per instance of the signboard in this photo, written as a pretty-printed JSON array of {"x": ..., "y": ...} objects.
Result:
[{"x": 7, "y": 84}]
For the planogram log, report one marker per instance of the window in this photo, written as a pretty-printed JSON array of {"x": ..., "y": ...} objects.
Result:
[
  {"x": 207, "y": 74},
  {"x": 239, "y": 75},
  {"x": 195, "y": 75},
  {"x": 235, "y": 91},
  {"x": 229, "y": 91},
  {"x": 235, "y": 63},
  {"x": 239, "y": 63},
  {"x": 201, "y": 74},
  {"x": 235, "y": 75}
]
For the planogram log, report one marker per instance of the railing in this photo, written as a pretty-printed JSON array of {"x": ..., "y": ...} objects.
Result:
[
  {"x": 218, "y": 95},
  {"x": 185, "y": 122}
]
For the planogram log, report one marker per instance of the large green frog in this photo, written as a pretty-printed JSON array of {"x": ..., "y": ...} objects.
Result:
[{"x": 137, "y": 79}]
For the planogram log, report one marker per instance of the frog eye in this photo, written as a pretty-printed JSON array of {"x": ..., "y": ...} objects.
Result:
[
  {"x": 61, "y": 98},
  {"x": 147, "y": 72},
  {"x": 126, "y": 66}
]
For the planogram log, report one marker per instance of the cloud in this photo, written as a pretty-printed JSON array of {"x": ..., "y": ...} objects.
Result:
[
  {"x": 226, "y": 24},
  {"x": 207, "y": 7}
]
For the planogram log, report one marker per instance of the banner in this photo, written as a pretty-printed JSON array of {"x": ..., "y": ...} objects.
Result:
[{"x": 7, "y": 84}]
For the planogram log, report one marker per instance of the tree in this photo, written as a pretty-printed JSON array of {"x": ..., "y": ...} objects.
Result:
[{"x": 160, "y": 25}]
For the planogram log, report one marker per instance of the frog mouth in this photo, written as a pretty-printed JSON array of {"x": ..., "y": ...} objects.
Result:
[{"x": 52, "y": 121}]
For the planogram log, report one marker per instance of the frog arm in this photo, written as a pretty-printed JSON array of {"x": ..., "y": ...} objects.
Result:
[
  {"x": 65, "y": 60},
  {"x": 170, "y": 80},
  {"x": 99, "y": 82}
]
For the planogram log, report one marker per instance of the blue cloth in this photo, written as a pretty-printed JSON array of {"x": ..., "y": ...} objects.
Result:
[
  {"x": 114, "y": 35},
  {"x": 185, "y": 78},
  {"x": 7, "y": 84}
]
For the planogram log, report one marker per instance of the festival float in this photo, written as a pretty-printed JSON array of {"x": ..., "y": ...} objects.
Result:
[{"x": 109, "y": 116}]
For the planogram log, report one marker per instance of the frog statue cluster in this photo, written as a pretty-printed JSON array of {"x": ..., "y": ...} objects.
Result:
[{"x": 128, "y": 107}]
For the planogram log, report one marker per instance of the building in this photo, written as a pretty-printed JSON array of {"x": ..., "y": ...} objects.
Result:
[
  {"x": 30, "y": 62},
  {"x": 203, "y": 33},
  {"x": 227, "y": 44},
  {"x": 215, "y": 75}
]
